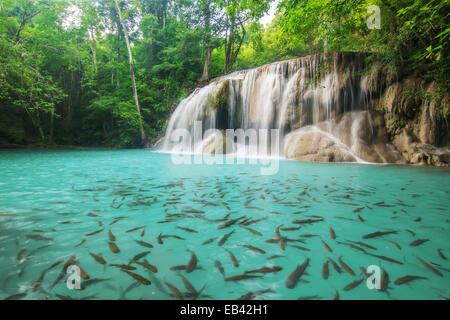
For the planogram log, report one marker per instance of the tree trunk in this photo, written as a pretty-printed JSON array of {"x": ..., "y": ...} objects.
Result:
[
  {"x": 133, "y": 81},
  {"x": 207, "y": 66}
]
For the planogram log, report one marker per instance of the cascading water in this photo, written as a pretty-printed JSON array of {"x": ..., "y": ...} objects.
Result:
[{"x": 320, "y": 105}]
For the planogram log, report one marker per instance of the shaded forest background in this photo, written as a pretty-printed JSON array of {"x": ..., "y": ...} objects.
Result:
[{"x": 110, "y": 72}]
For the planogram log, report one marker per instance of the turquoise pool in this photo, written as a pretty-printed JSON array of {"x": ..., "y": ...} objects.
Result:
[{"x": 105, "y": 207}]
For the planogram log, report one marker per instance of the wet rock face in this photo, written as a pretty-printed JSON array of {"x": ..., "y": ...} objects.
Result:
[{"x": 328, "y": 108}]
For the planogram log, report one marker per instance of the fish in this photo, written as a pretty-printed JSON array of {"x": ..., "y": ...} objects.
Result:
[
  {"x": 233, "y": 258},
  {"x": 363, "y": 244},
  {"x": 439, "y": 251},
  {"x": 159, "y": 238},
  {"x": 189, "y": 287},
  {"x": 176, "y": 268},
  {"x": 265, "y": 270},
  {"x": 253, "y": 231},
  {"x": 20, "y": 253},
  {"x": 325, "y": 270},
  {"x": 143, "y": 232},
  {"x": 82, "y": 241},
  {"x": 242, "y": 277},
  {"x": 137, "y": 277},
  {"x": 123, "y": 266},
  {"x": 139, "y": 256},
  {"x": 144, "y": 244},
  {"x": 63, "y": 272},
  {"x": 332, "y": 233},
  {"x": 316, "y": 297},
  {"x": 111, "y": 236},
  {"x": 307, "y": 221},
  {"x": 299, "y": 247},
  {"x": 384, "y": 281},
  {"x": 209, "y": 241},
  {"x": 87, "y": 283},
  {"x": 252, "y": 295},
  {"x": 219, "y": 266},
  {"x": 98, "y": 258},
  {"x": 135, "y": 229},
  {"x": 93, "y": 233},
  {"x": 346, "y": 267},
  {"x": 429, "y": 267},
  {"x": 360, "y": 218},
  {"x": 294, "y": 277},
  {"x": 253, "y": 248},
  {"x": 130, "y": 287},
  {"x": 175, "y": 291},
  {"x": 192, "y": 262},
  {"x": 229, "y": 223},
  {"x": 411, "y": 232},
  {"x": 187, "y": 229},
  {"x": 408, "y": 278},
  {"x": 113, "y": 247},
  {"x": 335, "y": 265},
  {"x": 378, "y": 234},
  {"x": 336, "y": 296},
  {"x": 418, "y": 242},
  {"x": 224, "y": 238},
  {"x": 38, "y": 282},
  {"x": 385, "y": 258},
  {"x": 394, "y": 243},
  {"x": 39, "y": 237},
  {"x": 275, "y": 257},
  {"x": 353, "y": 284},
  {"x": 17, "y": 296},
  {"x": 147, "y": 265},
  {"x": 326, "y": 246}
]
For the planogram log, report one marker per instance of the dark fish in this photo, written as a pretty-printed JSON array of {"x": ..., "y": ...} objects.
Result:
[
  {"x": 377, "y": 234},
  {"x": 17, "y": 296},
  {"x": 137, "y": 277},
  {"x": 90, "y": 282},
  {"x": 63, "y": 272},
  {"x": 332, "y": 233},
  {"x": 441, "y": 254},
  {"x": 325, "y": 270},
  {"x": 113, "y": 247},
  {"x": 360, "y": 218},
  {"x": 418, "y": 242},
  {"x": 82, "y": 241},
  {"x": 38, "y": 282},
  {"x": 406, "y": 279},
  {"x": 363, "y": 244},
  {"x": 265, "y": 270},
  {"x": 299, "y": 247},
  {"x": 209, "y": 241},
  {"x": 353, "y": 284},
  {"x": 252, "y": 295},
  {"x": 111, "y": 236},
  {"x": 412, "y": 233},
  {"x": 275, "y": 257},
  {"x": 98, "y": 258},
  {"x": 346, "y": 267},
  {"x": 225, "y": 237},
  {"x": 253, "y": 231},
  {"x": 385, "y": 258},
  {"x": 336, "y": 296},
  {"x": 293, "y": 278},
  {"x": 429, "y": 267},
  {"x": 233, "y": 258},
  {"x": 254, "y": 248},
  {"x": 384, "y": 281},
  {"x": 144, "y": 244},
  {"x": 395, "y": 244},
  {"x": 175, "y": 291},
  {"x": 229, "y": 223},
  {"x": 187, "y": 229},
  {"x": 123, "y": 266},
  {"x": 192, "y": 262},
  {"x": 93, "y": 233},
  {"x": 219, "y": 266},
  {"x": 177, "y": 268},
  {"x": 139, "y": 256},
  {"x": 241, "y": 277},
  {"x": 20, "y": 253},
  {"x": 159, "y": 238},
  {"x": 326, "y": 246},
  {"x": 335, "y": 265},
  {"x": 38, "y": 237},
  {"x": 189, "y": 287},
  {"x": 134, "y": 229}
]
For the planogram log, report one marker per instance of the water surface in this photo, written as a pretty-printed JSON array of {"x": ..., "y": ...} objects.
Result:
[{"x": 51, "y": 200}]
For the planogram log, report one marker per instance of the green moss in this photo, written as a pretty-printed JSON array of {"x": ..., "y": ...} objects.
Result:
[{"x": 219, "y": 100}]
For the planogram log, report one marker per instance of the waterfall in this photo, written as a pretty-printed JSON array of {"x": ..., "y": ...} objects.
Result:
[{"x": 320, "y": 104}]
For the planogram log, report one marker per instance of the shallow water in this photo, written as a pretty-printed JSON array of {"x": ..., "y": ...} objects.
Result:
[{"x": 40, "y": 191}]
